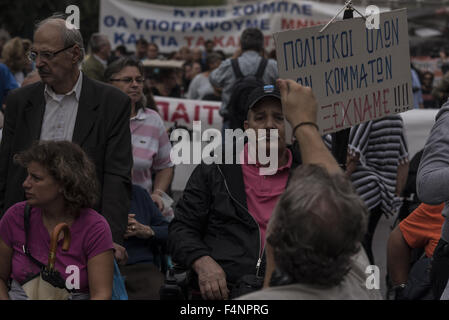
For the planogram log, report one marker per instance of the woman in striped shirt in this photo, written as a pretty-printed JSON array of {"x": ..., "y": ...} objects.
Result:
[
  {"x": 150, "y": 143},
  {"x": 377, "y": 163}
]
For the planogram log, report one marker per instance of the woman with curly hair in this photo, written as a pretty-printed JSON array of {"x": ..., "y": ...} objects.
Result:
[{"x": 60, "y": 187}]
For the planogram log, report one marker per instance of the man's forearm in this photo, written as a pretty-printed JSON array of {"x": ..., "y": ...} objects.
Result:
[
  {"x": 163, "y": 179},
  {"x": 398, "y": 257},
  {"x": 313, "y": 149},
  {"x": 401, "y": 178}
]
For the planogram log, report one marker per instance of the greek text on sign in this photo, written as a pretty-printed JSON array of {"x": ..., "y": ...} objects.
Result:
[{"x": 356, "y": 74}]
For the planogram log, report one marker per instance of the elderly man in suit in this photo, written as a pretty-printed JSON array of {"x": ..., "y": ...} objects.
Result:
[{"x": 67, "y": 105}]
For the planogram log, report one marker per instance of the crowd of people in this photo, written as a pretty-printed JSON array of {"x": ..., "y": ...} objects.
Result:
[{"x": 83, "y": 144}]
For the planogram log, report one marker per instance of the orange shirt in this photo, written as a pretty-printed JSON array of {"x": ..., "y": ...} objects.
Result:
[{"x": 422, "y": 228}]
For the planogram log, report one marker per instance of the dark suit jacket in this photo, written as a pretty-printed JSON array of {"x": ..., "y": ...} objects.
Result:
[{"x": 101, "y": 129}]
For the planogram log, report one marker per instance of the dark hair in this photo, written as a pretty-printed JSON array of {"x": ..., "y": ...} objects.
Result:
[
  {"x": 252, "y": 39},
  {"x": 317, "y": 227},
  {"x": 212, "y": 58},
  {"x": 69, "y": 165},
  {"x": 118, "y": 65},
  {"x": 122, "y": 49},
  {"x": 142, "y": 41}
]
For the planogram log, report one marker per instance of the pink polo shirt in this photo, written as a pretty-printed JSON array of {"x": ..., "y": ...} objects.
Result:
[{"x": 263, "y": 191}]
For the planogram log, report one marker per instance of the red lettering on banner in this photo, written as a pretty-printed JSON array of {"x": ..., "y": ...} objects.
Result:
[
  {"x": 300, "y": 23},
  {"x": 230, "y": 42},
  {"x": 385, "y": 102},
  {"x": 210, "y": 115},
  {"x": 189, "y": 40},
  {"x": 358, "y": 110},
  {"x": 345, "y": 113},
  {"x": 362, "y": 109},
  {"x": 218, "y": 41},
  {"x": 196, "y": 117},
  {"x": 200, "y": 42},
  {"x": 335, "y": 115},
  {"x": 376, "y": 103},
  {"x": 163, "y": 107},
  {"x": 180, "y": 113},
  {"x": 327, "y": 117},
  {"x": 367, "y": 107}
]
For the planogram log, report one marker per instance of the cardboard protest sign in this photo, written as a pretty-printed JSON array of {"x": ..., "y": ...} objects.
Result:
[{"x": 357, "y": 74}]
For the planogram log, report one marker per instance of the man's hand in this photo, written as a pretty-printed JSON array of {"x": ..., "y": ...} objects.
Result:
[
  {"x": 136, "y": 229},
  {"x": 298, "y": 102},
  {"x": 211, "y": 279},
  {"x": 120, "y": 254}
]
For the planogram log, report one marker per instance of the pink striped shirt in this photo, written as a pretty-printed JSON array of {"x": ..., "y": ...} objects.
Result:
[{"x": 151, "y": 147}]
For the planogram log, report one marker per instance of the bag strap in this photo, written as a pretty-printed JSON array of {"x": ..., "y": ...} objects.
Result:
[
  {"x": 26, "y": 222},
  {"x": 260, "y": 71},
  {"x": 235, "y": 66}
]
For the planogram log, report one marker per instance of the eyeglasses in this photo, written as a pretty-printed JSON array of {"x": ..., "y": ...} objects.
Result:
[
  {"x": 129, "y": 80},
  {"x": 45, "y": 55}
]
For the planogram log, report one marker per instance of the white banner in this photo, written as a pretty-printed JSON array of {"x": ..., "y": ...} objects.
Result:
[
  {"x": 184, "y": 112},
  {"x": 357, "y": 74},
  {"x": 170, "y": 27}
]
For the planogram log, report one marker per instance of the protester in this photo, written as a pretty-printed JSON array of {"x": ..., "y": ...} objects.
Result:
[
  {"x": 95, "y": 64},
  {"x": 166, "y": 83},
  {"x": 200, "y": 85},
  {"x": 426, "y": 88},
  {"x": 153, "y": 52},
  {"x": 190, "y": 70},
  {"x": 416, "y": 87},
  {"x": 120, "y": 52},
  {"x": 221, "y": 218},
  {"x": 13, "y": 55},
  {"x": 61, "y": 187},
  {"x": 185, "y": 54},
  {"x": 147, "y": 229},
  {"x": 150, "y": 144},
  {"x": 420, "y": 230},
  {"x": 252, "y": 46},
  {"x": 67, "y": 105},
  {"x": 313, "y": 238},
  {"x": 433, "y": 188},
  {"x": 377, "y": 164},
  {"x": 441, "y": 91},
  {"x": 141, "y": 49}
]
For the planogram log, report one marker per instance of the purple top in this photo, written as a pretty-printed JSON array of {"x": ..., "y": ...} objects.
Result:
[{"x": 90, "y": 235}]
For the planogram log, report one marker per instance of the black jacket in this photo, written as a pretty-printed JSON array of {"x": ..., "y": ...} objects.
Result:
[
  {"x": 212, "y": 219},
  {"x": 102, "y": 131}
]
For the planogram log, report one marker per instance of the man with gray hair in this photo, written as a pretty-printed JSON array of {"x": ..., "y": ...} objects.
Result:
[
  {"x": 67, "y": 105},
  {"x": 96, "y": 62},
  {"x": 314, "y": 235}
]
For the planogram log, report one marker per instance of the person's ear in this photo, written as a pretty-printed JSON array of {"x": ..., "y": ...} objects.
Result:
[{"x": 76, "y": 54}]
